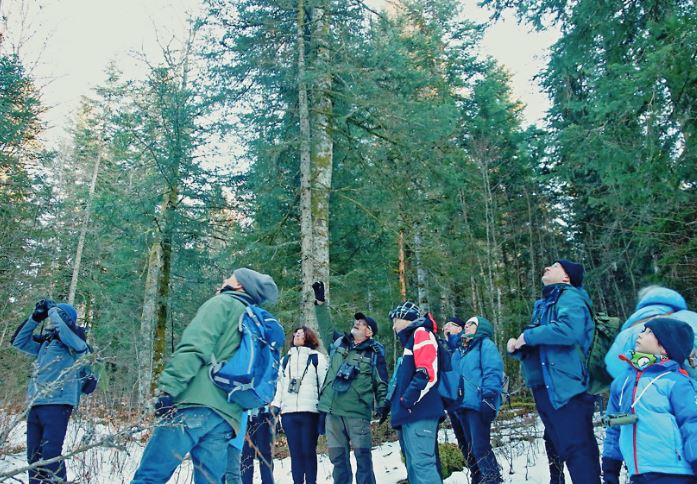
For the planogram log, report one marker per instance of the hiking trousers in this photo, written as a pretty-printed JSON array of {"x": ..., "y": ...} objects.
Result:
[
  {"x": 477, "y": 429},
  {"x": 199, "y": 431},
  {"x": 46, "y": 428},
  {"x": 260, "y": 432},
  {"x": 418, "y": 442},
  {"x": 301, "y": 430},
  {"x": 344, "y": 434},
  {"x": 570, "y": 429}
]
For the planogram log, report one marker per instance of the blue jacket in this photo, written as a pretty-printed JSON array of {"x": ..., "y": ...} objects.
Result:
[
  {"x": 657, "y": 302},
  {"x": 481, "y": 368},
  {"x": 664, "y": 439},
  {"x": 56, "y": 375},
  {"x": 416, "y": 394},
  {"x": 561, "y": 325}
]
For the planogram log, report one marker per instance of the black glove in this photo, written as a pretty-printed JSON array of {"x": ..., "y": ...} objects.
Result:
[
  {"x": 318, "y": 287},
  {"x": 383, "y": 413},
  {"x": 487, "y": 407},
  {"x": 164, "y": 406},
  {"x": 611, "y": 470},
  {"x": 41, "y": 310}
]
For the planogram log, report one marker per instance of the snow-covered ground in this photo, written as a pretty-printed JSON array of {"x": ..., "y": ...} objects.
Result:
[{"x": 521, "y": 456}]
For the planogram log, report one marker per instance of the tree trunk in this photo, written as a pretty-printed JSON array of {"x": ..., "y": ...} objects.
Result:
[
  {"x": 306, "y": 244},
  {"x": 420, "y": 273},
  {"x": 144, "y": 343},
  {"x": 83, "y": 230},
  {"x": 322, "y": 145},
  {"x": 162, "y": 300}
]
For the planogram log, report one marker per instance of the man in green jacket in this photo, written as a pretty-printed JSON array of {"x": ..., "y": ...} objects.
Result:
[
  {"x": 356, "y": 380},
  {"x": 195, "y": 416}
]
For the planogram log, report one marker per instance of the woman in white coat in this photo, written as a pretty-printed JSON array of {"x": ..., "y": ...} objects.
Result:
[{"x": 302, "y": 374}]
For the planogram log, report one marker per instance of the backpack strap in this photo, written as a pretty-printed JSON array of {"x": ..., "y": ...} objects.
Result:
[{"x": 315, "y": 361}]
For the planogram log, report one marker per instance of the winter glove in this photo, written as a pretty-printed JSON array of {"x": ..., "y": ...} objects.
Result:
[
  {"x": 413, "y": 391},
  {"x": 318, "y": 287},
  {"x": 611, "y": 470},
  {"x": 487, "y": 407},
  {"x": 694, "y": 467},
  {"x": 382, "y": 413},
  {"x": 41, "y": 310},
  {"x": 164, "y": 406}
]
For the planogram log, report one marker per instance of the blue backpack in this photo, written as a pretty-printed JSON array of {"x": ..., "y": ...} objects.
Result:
[{"x": 249, "y": 376}]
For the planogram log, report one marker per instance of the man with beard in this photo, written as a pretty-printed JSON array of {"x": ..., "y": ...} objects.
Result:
[{"x": 356, "y": 378}]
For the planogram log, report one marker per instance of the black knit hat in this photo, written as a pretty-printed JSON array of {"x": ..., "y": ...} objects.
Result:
[
  {"x": 677, "y": 337},
  {"x": 370, "y": 321},
  {"x": 456, "y": 320},
  {"x": 574, "y": 271}
]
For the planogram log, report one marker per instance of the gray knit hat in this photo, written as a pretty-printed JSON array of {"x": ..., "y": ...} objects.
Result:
[{"x": 260, "y": 287}]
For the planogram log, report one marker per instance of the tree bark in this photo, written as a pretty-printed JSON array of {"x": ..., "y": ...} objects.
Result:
[
  {"x": 83, "y": 229},
  {"x": 306, "y": 232},
  {"x": 144, "y": 343},
  {"x": 322, "y": 145}
]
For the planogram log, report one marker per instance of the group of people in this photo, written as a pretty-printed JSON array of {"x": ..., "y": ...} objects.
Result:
[{"x": 336, "y": 382}]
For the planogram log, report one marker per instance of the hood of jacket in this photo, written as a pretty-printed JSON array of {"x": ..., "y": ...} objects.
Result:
[{"x": 422, "y": 322}]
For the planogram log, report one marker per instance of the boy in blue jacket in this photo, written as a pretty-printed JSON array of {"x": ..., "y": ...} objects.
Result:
[{"x": 652, "y": 412}]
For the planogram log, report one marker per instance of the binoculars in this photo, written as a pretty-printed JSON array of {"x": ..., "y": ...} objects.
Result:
[{"x": 618, "y": 419}]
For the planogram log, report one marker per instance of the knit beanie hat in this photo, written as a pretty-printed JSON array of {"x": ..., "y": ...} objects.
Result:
[
  {"x": 456, "y": 320},
  {"x": 675, "y": 336},
  {"x": 371, "y": 322},
  {"x": 70, "y": 312},
  {"x": 407, "y": 311},
  {"x": 260, "y": 287},
  {"x": 574, "y": 271}
]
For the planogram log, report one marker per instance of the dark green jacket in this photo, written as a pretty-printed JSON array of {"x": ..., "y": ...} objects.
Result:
[
  {"x": 214, "y": 331},
  {"x": 368, "y": 388}
]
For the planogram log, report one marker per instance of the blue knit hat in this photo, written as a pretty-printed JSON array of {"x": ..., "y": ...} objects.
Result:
[
  {"x": 676, "y": 337},
  {"x": 574, "y": 271},
  {"x": 70, "y": 312}
]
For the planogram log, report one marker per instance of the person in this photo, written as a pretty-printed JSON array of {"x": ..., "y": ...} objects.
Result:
[
  {"x": 652, "y": 412},
  {"x": 553, "y": 348},
  {"x": 482, "y": 369},
  {"x": 416, "y": 404},
  {"x": 356, "y": 383},
  {"x": 195, "y": 416},
  {"x": 453, "y": 333},
  {"x": 233, "y": 472},
  {"x": 261, "y": 429},
  {"x": 55, "y": 386},
  {"x": 302, "y": 374},
  {"x": 653, "y": 301}
]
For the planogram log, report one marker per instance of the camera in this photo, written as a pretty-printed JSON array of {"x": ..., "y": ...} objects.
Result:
[
  {"x": 294, "y": 385},
  {"x": 618, "y": 419}
]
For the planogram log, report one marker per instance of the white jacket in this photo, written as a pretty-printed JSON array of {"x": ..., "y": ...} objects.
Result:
[{"x": 306, "y": 399}]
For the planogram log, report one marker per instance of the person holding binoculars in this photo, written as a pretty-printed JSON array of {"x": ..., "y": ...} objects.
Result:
[
  {"x": 55, "y": 385},
  {"x": 652, "y": 413},
  {"x": 301, "y": 377},
  {"x": 356, "y": 381}
]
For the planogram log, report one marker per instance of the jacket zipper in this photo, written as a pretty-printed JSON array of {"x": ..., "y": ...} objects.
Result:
[{"x": 636, "y": 385}]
